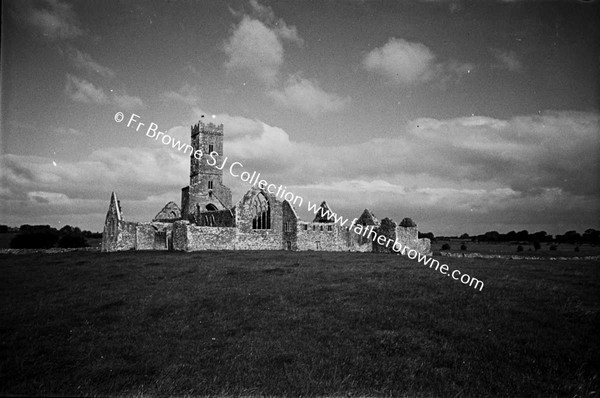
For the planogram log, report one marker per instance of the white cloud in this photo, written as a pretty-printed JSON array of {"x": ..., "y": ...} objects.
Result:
[
  {"x": 526, "y": 153},
  {"x": 405, "y": 62},
  {"x": 68, "y": 132},
  {"x": 80, "y": 90},
  {"x": 266, "y": 15},
  {"x": 255, "y": 45},
  {"x": 306, "y": 96},
  {"x": 255, "y": 48},
  {"x": 188, "y": 99},
  {"x": 128, "y": 102},
  {"x": 262, "y": 12},
  {"x": 552, "y": 150},
  {"x": 401, "y": 61},
  {"x": 35, "y": 191},
  {"x": 119, "y": 168},
  {"x": 507, "y": 60},
  {"x": 187, "y": 95},
  {"x": 251, "y": 139},
  {"x": 85, "y": 62},
  {"x": 55, "y": 20}
]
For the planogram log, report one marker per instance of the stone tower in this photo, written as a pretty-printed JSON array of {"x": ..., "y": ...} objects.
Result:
[{"x": 206, "y": 191}]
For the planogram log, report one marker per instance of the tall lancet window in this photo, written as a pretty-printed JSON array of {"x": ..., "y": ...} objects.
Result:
[{"x": 261, "y": 211}]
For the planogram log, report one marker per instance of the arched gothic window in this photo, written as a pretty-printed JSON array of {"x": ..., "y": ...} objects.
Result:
[{"x": 261, "y": 212}]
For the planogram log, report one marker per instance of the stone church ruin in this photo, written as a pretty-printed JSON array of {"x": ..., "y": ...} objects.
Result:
[{"x": 208, "y": 219}]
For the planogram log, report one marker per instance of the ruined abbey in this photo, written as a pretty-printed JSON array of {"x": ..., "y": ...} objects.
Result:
[{"x": 208, "y": 220}]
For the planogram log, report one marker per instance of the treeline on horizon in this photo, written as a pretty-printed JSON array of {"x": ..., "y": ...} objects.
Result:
[
  {"x": 46, "y": 237},
  {"x": 590, "y": 236}
]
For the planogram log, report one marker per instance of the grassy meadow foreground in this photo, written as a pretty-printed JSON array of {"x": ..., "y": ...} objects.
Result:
[{"x": 286, "y": 323}]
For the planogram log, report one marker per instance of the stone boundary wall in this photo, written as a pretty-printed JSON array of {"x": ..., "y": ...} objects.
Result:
[
  {"x": 445, "y": 254},
  {"x": 54, "y": 250},
  {"x": 515, "y": 256}
]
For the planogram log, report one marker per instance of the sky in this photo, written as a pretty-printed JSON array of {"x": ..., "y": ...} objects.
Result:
[{"x": 465, "y": 116}]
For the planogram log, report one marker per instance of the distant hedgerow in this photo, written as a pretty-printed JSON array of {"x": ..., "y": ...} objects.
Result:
[
  {"x": 71, "y": 241},
  {"x": 35, "y": 240}
]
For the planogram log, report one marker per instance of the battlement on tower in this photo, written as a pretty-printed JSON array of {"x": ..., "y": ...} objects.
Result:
[
  {"x": 206, "y": 191},
  {"x": 207, "y": 128}
]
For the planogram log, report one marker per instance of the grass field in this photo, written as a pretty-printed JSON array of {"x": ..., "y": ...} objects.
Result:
[
  {"x": 562, "y": 249},
  {"x": 286, "y": 323}
]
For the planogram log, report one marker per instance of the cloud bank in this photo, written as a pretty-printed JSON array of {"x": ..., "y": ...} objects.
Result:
[
  {"x": 54, "y": 20},
  {"x": 81, "y": 90},
  {"x": 406, "y": 63},
  {"x": 256, "y": 47},
  {"x": 308, "y": 97},
  {"x": 500, "y": 174}
]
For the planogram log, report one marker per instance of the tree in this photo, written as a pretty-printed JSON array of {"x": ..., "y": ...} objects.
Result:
[
  {"x": 67, "y": 229},
  {"x": 492, "y": 236},
  {"x": 387, "y": 228},
  {"x": 45, "y": 237},
  {"x": 465, "y": 236},
  {"x": 34, "y": 240},
  {"x": 569, "y": 237},
  {"x": 428, "y": 235},
  {"x": 72, "y": 240},
  {"x": 541, "y": 236},
  {"x": 591, "y": 236},
  {"x": 523, "y": 235}
]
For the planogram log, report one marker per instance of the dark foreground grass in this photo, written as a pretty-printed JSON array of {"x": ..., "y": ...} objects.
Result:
[{"x": 282, "y": 323}]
